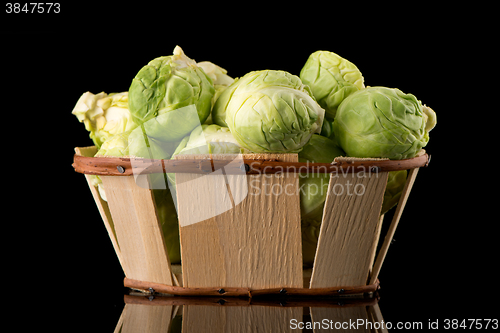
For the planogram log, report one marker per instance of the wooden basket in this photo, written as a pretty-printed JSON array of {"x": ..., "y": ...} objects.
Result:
[{"x": 253, "y": 247}]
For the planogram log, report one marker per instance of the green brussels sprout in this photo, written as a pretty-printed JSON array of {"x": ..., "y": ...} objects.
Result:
[
  {"x": 134, "y": 143},
  {"x": 166, "y": 84},
  {"x": 430, "y": 118},
  {"x": 269, "y": 112},
  {"x": 211, "y": 139},
  {"x": 320, "y": 149},
  {"x": 396, "y": 181},
  {"x": 331, "y": 79},
  {"x": 169, "y": 221},
  {"x": 310, "y": 233},
  {"x": 216, "y": 73},
  {"x": 207, "y": 139},
  {"x": 312, "y": 191},
  {"x": 326, "y": 129},
  {"x": 104, "y": 115},
  {"x": 220, "y": 79},
  {"x": 116, "y": 146},
  {"x": 381, "y": 122}
]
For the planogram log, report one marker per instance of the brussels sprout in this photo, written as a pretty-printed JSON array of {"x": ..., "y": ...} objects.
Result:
[
  {"x": 320, "y": 149},
  {"x": 220, "y": 80},
  {"x": 207, "y": 139},
  {"x": 430, "y": 118},
  {"x": 313, "y": 190},
  {"x": 326, "y": 129},
  {"x": 395, "y": 183},
  {"x": 211, "y": 139},
  {"x": 167, "y": 84},
  {"x": 331, "y": 78},
  {"x": 217, "y": 74},
  {"x": 269, "y": 112},
  {"x": 381, "y": 122},
  {"x": 104, "y": 115},
  {"x": 135, "y": 143},
  {"x": 169, "y": 221},
  {"x": 116, "y": 146},
  {"x": 313, "y": 187},
  {"x": 310, "y": 232}
]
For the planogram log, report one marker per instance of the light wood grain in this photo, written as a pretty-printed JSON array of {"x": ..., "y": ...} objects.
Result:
[
  {"x": 241, "y": 319},
  {"x": 348, "y": 230},
  {"x": 102, "y": 205},
  {"x": 146, "y": 318},
  {"x": 394, "y": 224},
  {"x": 376, "y": 241},
  {"x": 256, "y": 243},
  {"x": 340, "y": 316},
  {"x": 375, "y": 316},
  {"x": 143, "y": 249}
]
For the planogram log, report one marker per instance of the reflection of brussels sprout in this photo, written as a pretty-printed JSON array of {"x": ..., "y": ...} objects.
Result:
[
  {"x": 167, "y": 84},
  {"x": 269, "y": 112},
  {"x": 331, "y": 79},
  {"x": 313, "y": 190},
  {"x": 381, "y": 122}
]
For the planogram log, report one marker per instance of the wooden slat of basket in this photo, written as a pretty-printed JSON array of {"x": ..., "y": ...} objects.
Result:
[
  {"x": 102, "y": 205},
  {"x": 394, "y": 224},
  {"x": 256, "y": 244},
  {"x": 348, "y": 229},
  {"x": 138, "y": 231},
  {"x": 376, "y": 241}
]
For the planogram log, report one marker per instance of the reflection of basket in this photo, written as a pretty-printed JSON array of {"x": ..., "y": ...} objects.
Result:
[
  {"x": 254, "y": 246},
  {"x": 235, "y": 314}
]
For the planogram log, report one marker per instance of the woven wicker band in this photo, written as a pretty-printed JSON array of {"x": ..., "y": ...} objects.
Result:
[
  {"x": 182, "y": 291},
  {"x": 300, "y": 301},
  {"x": 118, "y": 166}
]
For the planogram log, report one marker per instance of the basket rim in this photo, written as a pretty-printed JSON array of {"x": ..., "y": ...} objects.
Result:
[
  {"x": 127, "y": 166},
  {"x": 148, "y": 298},
  {"x": 153, "y": 287}
]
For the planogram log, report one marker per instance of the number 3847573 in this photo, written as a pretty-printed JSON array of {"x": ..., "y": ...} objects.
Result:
[{"x": 32, "y": 7}]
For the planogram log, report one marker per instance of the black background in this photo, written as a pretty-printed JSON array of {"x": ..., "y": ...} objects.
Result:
[{"x": 443, "y": 262}]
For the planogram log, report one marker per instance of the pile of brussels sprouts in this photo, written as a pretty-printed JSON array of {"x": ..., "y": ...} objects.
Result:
[{"x": 178, "y": 106}]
